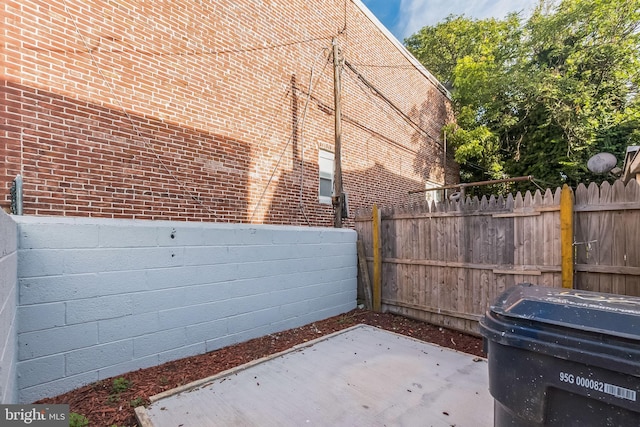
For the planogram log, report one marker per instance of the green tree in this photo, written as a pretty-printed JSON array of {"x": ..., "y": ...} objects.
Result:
[
  {"x": 457, "y": 37},
  {"x": 582, "y": 66},
  {"x": 473, "y": 58},
  {"x": 539, "y": 97}
]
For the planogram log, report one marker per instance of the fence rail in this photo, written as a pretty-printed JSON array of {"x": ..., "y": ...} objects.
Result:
[
  {"x": 607, "y": 238},
  {"x": 445, "y": 263}
]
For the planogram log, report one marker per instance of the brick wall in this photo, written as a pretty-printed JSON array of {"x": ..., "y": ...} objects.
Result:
[
  {"x": 8, "y": 308},
  {"x": 209, "y": 110},
  {"x": 100, "y": 297}
]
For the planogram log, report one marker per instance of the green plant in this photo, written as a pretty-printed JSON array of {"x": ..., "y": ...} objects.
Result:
[
  {"x": 138, "y": 401},
  {"x": 120, "y": 384},
  {"x": 77, "y": 420},
  {"x": 347, "y": 319},
  {"x": 163, "y": 380}
]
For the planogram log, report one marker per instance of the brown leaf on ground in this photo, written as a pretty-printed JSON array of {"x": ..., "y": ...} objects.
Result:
[{"x": 104, "y": 407}]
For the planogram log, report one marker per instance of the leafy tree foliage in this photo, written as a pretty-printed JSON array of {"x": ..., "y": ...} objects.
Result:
[{"x": 539, "y": 97}]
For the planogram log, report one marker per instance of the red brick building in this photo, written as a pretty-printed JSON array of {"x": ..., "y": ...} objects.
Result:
[{"x": 211, "y": 110}]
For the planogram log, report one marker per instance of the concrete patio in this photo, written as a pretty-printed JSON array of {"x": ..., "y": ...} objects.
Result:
[{"x": 362, "y": 376}]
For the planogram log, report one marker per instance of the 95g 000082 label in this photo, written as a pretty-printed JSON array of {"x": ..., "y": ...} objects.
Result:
[{"x": 601, "y": 386}]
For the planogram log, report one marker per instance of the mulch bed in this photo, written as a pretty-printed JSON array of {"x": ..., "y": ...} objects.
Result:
[{"x": 109, "y": 403}]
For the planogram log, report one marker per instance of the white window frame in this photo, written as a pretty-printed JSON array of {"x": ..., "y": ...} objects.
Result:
[
  {"x": 325, "y": 171},
  {"x": 433, "y": 196}
]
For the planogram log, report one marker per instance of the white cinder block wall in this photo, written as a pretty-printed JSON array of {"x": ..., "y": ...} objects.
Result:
[
  {"x": 8, "y": 304},
  {"x": 102, "y": 297}
]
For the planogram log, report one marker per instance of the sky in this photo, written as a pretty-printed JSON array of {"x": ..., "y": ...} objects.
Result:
[{"x": 405, "y": 17}]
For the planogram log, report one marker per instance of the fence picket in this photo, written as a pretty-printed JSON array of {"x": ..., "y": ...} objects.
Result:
[
  {"x": 632, "y": 227},
  {"x": 446, "y": 262},
  {"x": 605, "y": 234}
]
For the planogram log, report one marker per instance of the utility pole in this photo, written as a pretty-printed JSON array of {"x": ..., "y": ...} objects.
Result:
[{"x": 337, "y": 199}]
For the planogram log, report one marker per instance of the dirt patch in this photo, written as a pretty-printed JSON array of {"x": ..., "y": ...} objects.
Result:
[{"x": 111, "y": 401}]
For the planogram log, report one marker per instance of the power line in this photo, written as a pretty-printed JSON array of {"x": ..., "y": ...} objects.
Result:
[
  {"x": 149, "y": 147},
  {"x": 373, "y": 100},
  {"x": 348, "y": 119},
  {"x": 377, "y": 92},
  {"x": 277, "y": 166},
  {"x": 329, "y": 109},
  {"x": 304, "y": 116},
  {"x": 136, "y": 51}
]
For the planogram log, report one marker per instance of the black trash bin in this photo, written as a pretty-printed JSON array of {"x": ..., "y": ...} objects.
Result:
[{"x": 560, "y": 357}]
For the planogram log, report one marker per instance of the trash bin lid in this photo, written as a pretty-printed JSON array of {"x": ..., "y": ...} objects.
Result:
[{"x": 614, "y": 315}]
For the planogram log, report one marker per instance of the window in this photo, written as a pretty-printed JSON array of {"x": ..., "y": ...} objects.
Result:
[
  {"x": 325, "y": 164},
  {"x": 433, "y": 196}
]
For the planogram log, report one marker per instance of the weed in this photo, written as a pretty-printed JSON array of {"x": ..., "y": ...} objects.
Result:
[
  {"x": 163, "y": 380},
  {"x": 77, "y": 420},
  {"x": 344, "y": 319},
  {"x": 138, "y": 401},
  {"x": 113, "y": 399},
  {"x": 120, "y": 384}
]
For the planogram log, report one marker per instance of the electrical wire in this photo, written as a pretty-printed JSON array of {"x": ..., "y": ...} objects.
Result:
[
  {"x": 90, "y": 51},
  {"x": 136, "y": 129},
  {"x": 135, "y": 51},
  {"x": 304, "y": 116},
  {"x": 377, "y": 92},
  {"x": 277, "y": 166},
  {"x": 377, "y": 104},
  {"x": 358, "y": 83},
  {"x": 348, "y": 119}
]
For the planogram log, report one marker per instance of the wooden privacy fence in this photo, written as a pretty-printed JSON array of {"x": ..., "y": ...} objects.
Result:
[
  {"x": 607, "y": 238},
  {"x": 446, "y": 262}
]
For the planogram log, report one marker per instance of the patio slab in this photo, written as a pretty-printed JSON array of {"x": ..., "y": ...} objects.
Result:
[{"x": 362, "y": 376}]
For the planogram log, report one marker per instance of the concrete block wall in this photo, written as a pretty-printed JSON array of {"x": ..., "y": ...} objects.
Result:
[
  {"x": 100, "y": 297},
  {"x": 8, "y": 308}
]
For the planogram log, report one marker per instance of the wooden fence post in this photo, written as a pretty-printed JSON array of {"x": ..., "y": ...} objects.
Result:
[
  {"x": 364, "y": 275},
  {"x": 377, "y": 260},
  {"x": 566, "y": 236}
]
